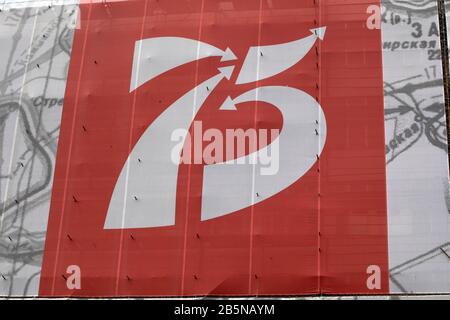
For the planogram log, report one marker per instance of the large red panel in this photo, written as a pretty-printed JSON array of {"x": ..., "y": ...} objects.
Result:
[{"x": 317, "y": 236}]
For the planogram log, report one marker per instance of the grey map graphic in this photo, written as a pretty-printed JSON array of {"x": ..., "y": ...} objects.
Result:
[
  {"x": 416, "y": 148},
  {"x": 421, "y": 8},
  {"x": 35, "y": 55}
]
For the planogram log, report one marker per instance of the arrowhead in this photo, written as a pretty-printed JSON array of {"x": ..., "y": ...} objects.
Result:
[
  {"x": 228, "y": 104},
  {"x": 319, "y": 32},
  {"x": 228, "y": 55},
  {"x": 227, "y": 71}
]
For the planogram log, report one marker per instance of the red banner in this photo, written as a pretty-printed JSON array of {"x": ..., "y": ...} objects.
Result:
[{"x": 322, "y": 231}]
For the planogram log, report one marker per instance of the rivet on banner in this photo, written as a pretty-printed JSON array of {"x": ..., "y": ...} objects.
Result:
[
  {"x": 135, "y": 198},
  {"x": 197, "y": 236},
  {"x": 317, "y": 132},
  {"x": 84, "y": 129},
  {"x": 69, "y": 237},
  {"x": 16, "y": 201},
  {"x": 64, "y": 277},
  {"x": 195, "y": 277},
  {"x": 3, "y": 277},
  {"x": 74, "y": 199},
  {"x": 132, "y": 237},
  {"x": 128, "y": 278},
  {"x": 9, "y": 238}
]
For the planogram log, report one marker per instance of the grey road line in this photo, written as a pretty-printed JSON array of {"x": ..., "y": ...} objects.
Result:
[{"x": 16, "y": 39}]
